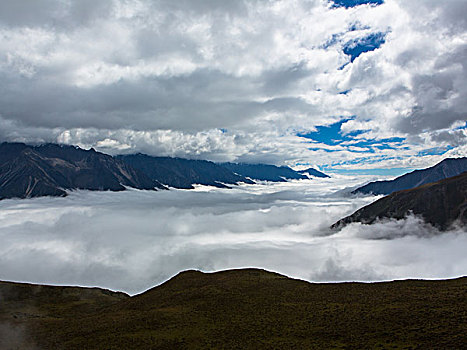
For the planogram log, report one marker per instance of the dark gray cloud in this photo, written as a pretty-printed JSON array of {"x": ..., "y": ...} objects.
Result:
[
  {"x": 441, "y": 97},
  {"x": 29, "y": 13},
  {"x": 202, "y": 100},
  {"x": 456, "y": 137},
  {"x": 53, "y": 13},
  {"x": 200, "y": 7},
  {"x": 282, "y": 81},
  {"x": 448, "y": 14},
  {"x": 117, "y": 75}
]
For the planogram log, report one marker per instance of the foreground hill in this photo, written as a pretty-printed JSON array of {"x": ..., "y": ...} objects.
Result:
[
  {"x": 237, "y": 309},
  {"x": 49, "y": 170},
  {"x": 264, "y": 172},
  {"x": 183, "y": 173},
  {"x": 447, "y": 168},
  {"x": 439, "y": 203}
]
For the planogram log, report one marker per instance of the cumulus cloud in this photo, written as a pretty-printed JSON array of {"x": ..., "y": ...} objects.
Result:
[
  {"x": 104, "y": 73},
  {"x": 134, "y": 240}
]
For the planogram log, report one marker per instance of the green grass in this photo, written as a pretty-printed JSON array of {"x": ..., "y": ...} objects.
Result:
[{"x": 248, "y": 309}]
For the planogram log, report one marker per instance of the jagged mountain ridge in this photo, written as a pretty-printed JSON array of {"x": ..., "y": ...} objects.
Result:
[
  {"x": 447, "y": 168},
  {"x": 183, "y": 173},
  {"x": 50, "y": 169},
  {"x": 264, "y": 172},
  {"x": 440, "y": 203},
  {"x": 313, "y": 172},
  {"x": 248, "y": 309}
]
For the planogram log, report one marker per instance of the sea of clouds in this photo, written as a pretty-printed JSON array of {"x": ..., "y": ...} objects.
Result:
[{"x": 134, "y": 240}]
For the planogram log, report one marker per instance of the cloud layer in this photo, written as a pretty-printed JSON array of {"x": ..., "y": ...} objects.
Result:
[
  {"x": 134, "y": 240},
  {"x": 235, "y": 81}
]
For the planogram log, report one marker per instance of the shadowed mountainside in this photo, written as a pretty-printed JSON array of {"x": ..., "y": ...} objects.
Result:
[
  {"x": 183, "y": 173},
  {"x": 440, "y": 203},
  {"x": 447, "y": 168},
  {"x": 234, "y": 309},
  {"x": 313, "y": 172},
  {"x": 50, "y": 169},
  {"x": 264, "y": 172}
]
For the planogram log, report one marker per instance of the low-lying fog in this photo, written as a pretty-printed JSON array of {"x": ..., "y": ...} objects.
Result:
[{"x": 134, "y": 240}]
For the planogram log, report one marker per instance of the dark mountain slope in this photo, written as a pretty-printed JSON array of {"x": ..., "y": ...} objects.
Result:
[
  {"x": 313, "y": 172},
  {"x": 239, "y": 309},
  {"x": 27, "y": 175},
  {"x": 26, "y": 309},
  {"x": 447, "y": 168},
  {"x": 182, "y": 173},
  {"x": 71, "y": 299},
  {"x": 264, "y": 172},
  {"x": 439, "y": 203},
  {"x": 49, "y": 170}
]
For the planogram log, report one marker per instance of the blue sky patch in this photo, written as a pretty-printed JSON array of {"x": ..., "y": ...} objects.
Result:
[
  {"x": 436, "y": 151},
  {"x": 352, "y": 3},
  {"x": 332, "y": 41},
  {"x": 332, "y": 135},
  {"x": 336, "y": 167},
  {"x": 371, "y": 42},
  {"x": 329, "y": 135},
  {"x": 378, "y": 172},
  {"x": 322, "y": 149},
  {"x": 389, "y": 143},
  {"x": 343, "y": 66},
  {"x": 357, "y": 26}
]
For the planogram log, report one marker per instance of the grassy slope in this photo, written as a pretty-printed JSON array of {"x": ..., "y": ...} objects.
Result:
[{"x": 247, "y": 309}]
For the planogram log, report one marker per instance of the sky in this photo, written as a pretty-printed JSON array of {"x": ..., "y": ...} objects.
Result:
[
  {"x": 134, "y": 240},
  {"x": 347, "y": 86}
]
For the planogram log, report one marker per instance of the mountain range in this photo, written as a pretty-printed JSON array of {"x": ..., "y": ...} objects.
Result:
[
  {"x": 447, "y": 168},
  {"x": 313, "y": 172},
  {"x": 237, "y": 309},
  {"x": 183, "y": 173},
  {"x": 51, "y": 170},
  {"x": 264, "y": 172},
  {"x": 440, "y": 203}
]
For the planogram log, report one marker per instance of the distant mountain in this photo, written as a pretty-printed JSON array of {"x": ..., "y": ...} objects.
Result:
[
  {"x": 50, "y": 169},
  {"x": 312, "y": 172},
  {"x": 264, "y": 172},
  {"x": 439, "y": 203},
  {"x": 237, "y": 309},
  {"x": 183, "y": 173},
  {"x": 447, "y": 168}
]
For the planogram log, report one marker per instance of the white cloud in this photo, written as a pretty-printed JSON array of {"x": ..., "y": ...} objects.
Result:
[
  {"x": 260, "y": 69},
  {"x": 133, "y": 240}
]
